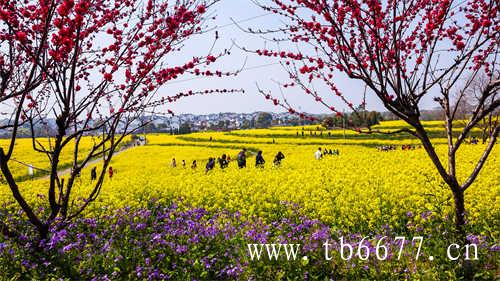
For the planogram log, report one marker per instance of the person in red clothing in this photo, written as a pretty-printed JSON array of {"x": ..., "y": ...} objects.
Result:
[{"x": 110, "y": 172}]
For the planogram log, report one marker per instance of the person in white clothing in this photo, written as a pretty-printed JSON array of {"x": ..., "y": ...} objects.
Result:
[{"x": 318, "y": 154}]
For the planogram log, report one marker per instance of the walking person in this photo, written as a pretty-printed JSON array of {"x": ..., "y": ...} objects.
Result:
[
  {"x": 259, "y": 160},
  {"x": 210, "y": 165},
  {"x": 277, "y": 159},
  {"x": 78, "y": 175},
  {"x": 318, "y": 154},
  {"x": 174, "y": 163},
  {"x": 194, "y": 165},
  {"x": 183, "y": 163},
  {"x": 242, "y": 158},
  {"x": 110, "y": 172},
  {"x": 30, "y": 170},
  {"x": 93, "y": 174},
  {"x": 223, "y": 161}
]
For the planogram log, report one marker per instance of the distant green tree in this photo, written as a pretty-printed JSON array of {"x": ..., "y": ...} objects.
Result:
[
  {"x": 185, "y": 128},
  {"x": 373, "y": 118},
  {"x": 264, "y": 120},
  {"x": 328, "y": 122},
  {"x": 331, "y": 122},
  {"x": 245, "y": 124},
  {"x": 364, "y": 118}
]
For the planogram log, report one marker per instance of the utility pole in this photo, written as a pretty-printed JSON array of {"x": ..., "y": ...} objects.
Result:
[
  {"x": 144, "y": 127},
  {"x": 343, "y": 123}
]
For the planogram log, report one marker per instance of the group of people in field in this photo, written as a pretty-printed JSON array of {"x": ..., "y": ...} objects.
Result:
[
  {"x": 93, "y": 173},
  {"x": 403, "y": 147},
  {"x": 320, "y": 153},
  {"x": 407, "y": 147},
  {"x": 311, "y": 133},
  {"x": 410, "y": 147},
  {"x": 224, "y": 161},
  {"x": 386, "y": 147}
]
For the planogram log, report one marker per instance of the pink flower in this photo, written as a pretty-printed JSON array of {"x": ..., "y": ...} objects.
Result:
[
  {"x": 486, "y": 23},
  {"x": 65, "y": 7},
  {"x": 201, "y": 9},
  {"x": 21, "y": 36},
  {"x": 108, "y": 76},
  {"x": 304, "y": 69}
]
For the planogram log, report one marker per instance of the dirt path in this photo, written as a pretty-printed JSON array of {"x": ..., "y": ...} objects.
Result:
[{"x": 90, "y": 163}]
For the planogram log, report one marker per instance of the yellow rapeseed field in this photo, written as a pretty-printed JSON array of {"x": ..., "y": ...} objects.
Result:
[
  {"x": 24, "y": 154},
  {"x": 360, "y": 189}
]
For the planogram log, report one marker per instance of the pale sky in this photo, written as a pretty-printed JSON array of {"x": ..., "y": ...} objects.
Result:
[
  {"x": 262, "y": 70},
  {"x": 246, "y": 10}
]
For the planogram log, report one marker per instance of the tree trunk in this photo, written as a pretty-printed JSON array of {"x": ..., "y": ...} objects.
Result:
[
  {"x": 458, "y": 195},
  {"x": 43, "y": 235},
  {"x": 466, "y": 267}
]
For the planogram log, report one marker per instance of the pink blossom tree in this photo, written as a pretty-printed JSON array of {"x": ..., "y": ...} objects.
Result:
[
  {"x": 402, "y": 51},
  {"x": 95, "y": 67}
]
